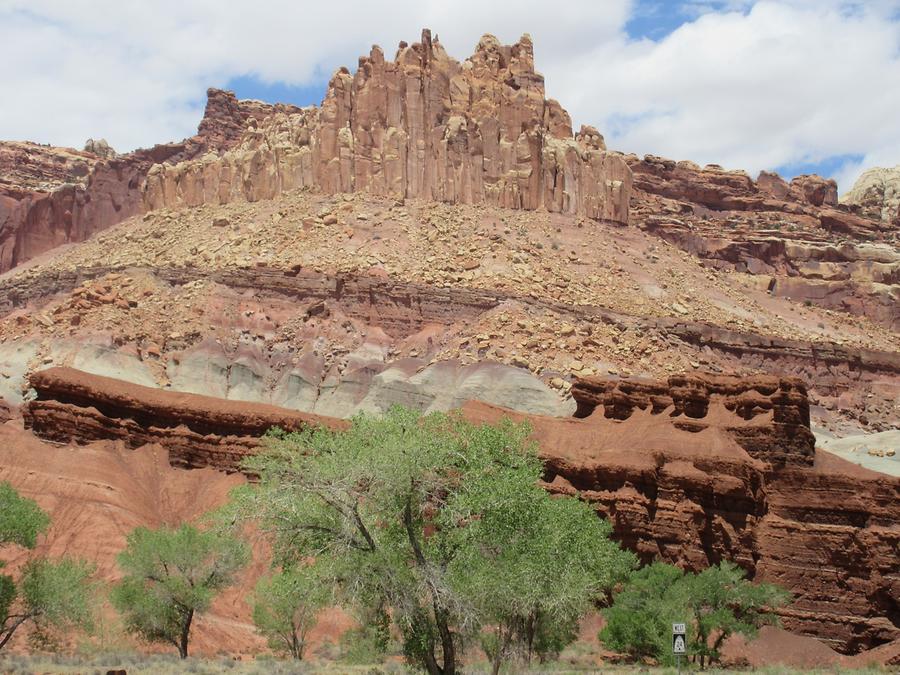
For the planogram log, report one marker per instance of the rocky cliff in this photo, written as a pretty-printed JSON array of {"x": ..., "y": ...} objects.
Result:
[
  {"x": 794, "y": 238},
  {"x": 54, "y": 196},
  {"x": 694, "y": 470},
  {"x": 420, "y": 126},
  {"x": 198, "y": 431},
  {"x": 876, "y": 194},
  {"x": 673, "y": 468}
]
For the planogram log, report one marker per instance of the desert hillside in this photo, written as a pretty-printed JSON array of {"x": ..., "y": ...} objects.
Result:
[{"x": 712, "y": 361}]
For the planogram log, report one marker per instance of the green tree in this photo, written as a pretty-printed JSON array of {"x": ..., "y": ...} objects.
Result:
[
  {"x": 639, "y": 622},
  {"x": 172, "y": 575},
  {"x": 285, "y": 605},
  {"x": 714, "y": 604},
  {"x": 723, "y": 602},
  {"x": 531, "y": 565},
  {"x": 50, "y": 595},
  {"x": 21, "y": 519},
  {"x": 409, "y": 514}
]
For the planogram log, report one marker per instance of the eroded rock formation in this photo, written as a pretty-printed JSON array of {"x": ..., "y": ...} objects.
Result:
[
  {"x": 692, "y": 471},
  {"x": 795, "y": 237},
  {"x": 423, "y": 126},
  {"x": 53, "y": 196},
  {"x": 199, "y": 431},
  {"x": 876, "y": 194},
  {"x": 767, "y": 416},
  {"x": 681, "y": 487}
]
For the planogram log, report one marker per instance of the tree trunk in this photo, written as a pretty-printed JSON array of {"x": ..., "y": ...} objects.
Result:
[
  {"x": 185, "y": 632},
  {"x": 12, "y": 629},
  {"x": 447, "y": 646},
  {"x": 441, "y": 620},
  {"x": 502, "y": 643},
  {"x": 530, "y": 630}
]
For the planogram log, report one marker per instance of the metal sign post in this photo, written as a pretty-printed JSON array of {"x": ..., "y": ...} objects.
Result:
[{"x": 679, "y": 643}]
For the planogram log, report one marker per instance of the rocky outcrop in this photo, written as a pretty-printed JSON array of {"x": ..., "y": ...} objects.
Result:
[
  {"x": 692, "y": 471},
  {"x": 54, "y": 196},
  {"x": 768, "y": 416},
  {"x": 876, "y": 195},
  {"x": 30, "y": 167},
  {"x": 421, "y": 126},
  {"x": 99, "y": 147},
  {"x": 795, "y": 236},
  {"x": 198, "y": 431},
  {"x": 685, "y": 490},
  {"x": 807, "y": 202}
]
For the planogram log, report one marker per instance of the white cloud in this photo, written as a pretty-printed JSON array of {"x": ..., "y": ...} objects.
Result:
[
  {"x": 745, "y": 85},
  {"x": 137, "y": 72},
  {"x": 786, "y": 82}
]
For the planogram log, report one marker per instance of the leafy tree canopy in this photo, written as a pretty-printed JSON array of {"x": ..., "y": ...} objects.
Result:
[
  {"x": 171, "y": 575},
  {"x": 285, "y": 605},
  {"x": 52, "y": 595},
  {"x": 438, "y": 520},
  {"x": 21, "y": 519},
  {"x": 714, "y": 604}
]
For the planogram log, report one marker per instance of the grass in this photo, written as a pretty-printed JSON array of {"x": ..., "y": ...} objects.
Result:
[{"x": 169, "y": 664}]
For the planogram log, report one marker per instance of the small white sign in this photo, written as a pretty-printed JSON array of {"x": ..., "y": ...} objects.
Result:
[
  {"x": 678, "y": 628},
  {"x": 678, "y": 645}
]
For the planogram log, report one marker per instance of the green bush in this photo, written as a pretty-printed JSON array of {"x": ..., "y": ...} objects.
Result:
[
  {"x": 51, "y": 595},
  {"x": 714, "y": 604}
]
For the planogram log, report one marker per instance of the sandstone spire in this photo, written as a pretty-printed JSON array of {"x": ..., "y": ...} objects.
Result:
[{"x": 424, "y": 126}]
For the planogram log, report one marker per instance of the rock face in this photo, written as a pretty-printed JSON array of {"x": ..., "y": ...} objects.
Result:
[
  {"x": 422, "y": 126},
  {"x": 199, "y": 431},
  {"x": 767, "y": 416},
  {"x": 693, "y": 471},
  {"x": 54, "y": 196},
  {"x": 876, "y": 194},
  {"x": 795, "y": 236},
  {"x": 99, "y": 147},
  {"x": 681, "y": 487}
]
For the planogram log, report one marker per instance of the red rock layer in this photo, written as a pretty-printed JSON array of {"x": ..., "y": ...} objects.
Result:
[
  {"x": 812, "y": 199},
  {"x": 198, "y": 431},
  {"x": 795, "y": 236},
  {"x": 829, "y": 532},
  {"x": 423, "y": 126},
  {"x": 768, "y": 416},
  {"x": 47, "y": 208},
  {"x": 686, "y": 487}
]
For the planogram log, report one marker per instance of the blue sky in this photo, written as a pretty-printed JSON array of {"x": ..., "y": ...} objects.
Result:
[{"x": 796, "y": 86}]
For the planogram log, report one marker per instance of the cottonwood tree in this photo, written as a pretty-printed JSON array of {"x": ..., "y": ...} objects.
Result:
[
  {"x": 714, "y": 604},
  {"x": 285, "y": 605},
  {"x": 531, "y": 566},
  {"x": 409, "y": 514},
  {"x": 49, "y": 594},
  {"x": 171, "y": 576}
]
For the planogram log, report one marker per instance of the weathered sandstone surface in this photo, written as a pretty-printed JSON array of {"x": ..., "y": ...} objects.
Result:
[
  {"x": 336, "y": 344},
  {"x": 421, "y": 126},
  {"x": 681, "y": 486},
  {"x": 199, "y": 431},
  {"x": 876, "y": 195},
  {"x": 54, "y": 196},
  {"x": 794, "y": 237},
  {"x": 693, "y": 471},
  {"x": 698, "y": 401}
]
